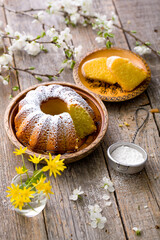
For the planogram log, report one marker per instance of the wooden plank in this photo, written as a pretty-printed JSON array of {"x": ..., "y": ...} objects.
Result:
[
  {"x": 125, "y": 185},
  {"x": 144, "y": 17},
  {"x": 69, "y": 220},
  {"x": 137, "y": 190},
  {"x": 13, "y": 226}
]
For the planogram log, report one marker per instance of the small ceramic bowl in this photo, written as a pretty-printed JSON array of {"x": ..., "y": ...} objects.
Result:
[{"x": 130, "y": 169}]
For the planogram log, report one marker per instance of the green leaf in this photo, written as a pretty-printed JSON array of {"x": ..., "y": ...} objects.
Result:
[
  {"x": 108, "y": 44},
  {"x": 137, "y": 43},
  {"x": 43, "y": 34},
  {"x": 38, "y": 78},
  {"x": 58, "y": 45},
  {"x": 66, "y": 60},
  {"x": 15, "y": 88},
  {"x": 50, "y": 77},
  {"x": 68, "y": 53},
  {"x": 99, "y": 33},
  {"x": 61, "y": 70},
  {"x": 72, "y": 64},
  {"x": 148, "y": 43},
  {"x": 133, "y": 31},
  {"x": 138, "y": 232},
  {"x": 38, "y": 37},
  {"x": 31, "y": 68},
  {"x": 67, "y": 20},
  {"x": 10, "y": 96},
  {"x": 158, "y": 52},
  {"x": 54, "y": 39},
  {"x": 106, "y": 34},
  {"x": 45, "y": 50}
]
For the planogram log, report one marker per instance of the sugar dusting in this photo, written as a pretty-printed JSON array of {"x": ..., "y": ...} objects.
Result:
[
  {"x": 31, "y": 106},
  {"x": 127, "y": 155}
]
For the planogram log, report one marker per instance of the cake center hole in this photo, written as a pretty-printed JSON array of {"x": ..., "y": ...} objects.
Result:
[{"x": 54, "y": 106}]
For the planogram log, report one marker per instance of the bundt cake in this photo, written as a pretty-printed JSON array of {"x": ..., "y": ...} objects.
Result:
[
  {"x": 52, "y": 119},
  {"x": 128, "y": 75},
  {"x": 97, "y": 69}
]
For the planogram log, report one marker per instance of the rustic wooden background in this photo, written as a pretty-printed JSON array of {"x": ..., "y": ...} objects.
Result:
[{"x": 63, "y": 219}]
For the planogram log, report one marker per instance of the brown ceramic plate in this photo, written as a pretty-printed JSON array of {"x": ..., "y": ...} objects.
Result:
[
  {"x": 111, "y": 93},
  {"x": 89, "y": 143}
]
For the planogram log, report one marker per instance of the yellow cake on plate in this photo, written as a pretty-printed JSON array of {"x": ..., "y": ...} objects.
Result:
[
  {"x": 97, "y": 69},
  {"x": 128, "y": 75}
]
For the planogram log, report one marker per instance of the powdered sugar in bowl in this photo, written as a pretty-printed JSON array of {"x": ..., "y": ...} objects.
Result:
[{"x": 126, "y": 157}]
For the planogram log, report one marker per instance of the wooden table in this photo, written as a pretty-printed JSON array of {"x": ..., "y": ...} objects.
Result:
[{"x": 62, "y": 218}]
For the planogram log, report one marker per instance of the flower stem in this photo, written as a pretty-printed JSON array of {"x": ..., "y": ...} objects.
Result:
[
  {"x": 33, "y": 177},
  {"x": 23, "y": 161}
]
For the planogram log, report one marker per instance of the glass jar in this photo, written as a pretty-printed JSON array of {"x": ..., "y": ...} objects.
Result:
[{"x": 37, "y": 204}]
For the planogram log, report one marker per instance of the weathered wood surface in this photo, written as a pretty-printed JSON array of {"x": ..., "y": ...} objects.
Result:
[{"x": 63, "y": 219}]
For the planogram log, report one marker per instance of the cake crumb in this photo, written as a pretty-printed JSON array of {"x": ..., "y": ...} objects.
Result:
[
  {"x": 126, "y": 124},
  {"x": 155, "y": 110}
]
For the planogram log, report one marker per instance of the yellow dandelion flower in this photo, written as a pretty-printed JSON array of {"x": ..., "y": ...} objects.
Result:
[
  {"x": 19, "y": 196},
  {"x": 47, "y": 189},
  {"x": 54, "y": 165},
  {"x": 20, "y": 151},
  {"x": 13, "y": 191},
  {"x": 40, "y": 184},
  {"x": 19, "y": 202},
  {"x": 26, "y": 194},
  {"x": 35, "y": 159},
  {"x": 21, "y": 170}
]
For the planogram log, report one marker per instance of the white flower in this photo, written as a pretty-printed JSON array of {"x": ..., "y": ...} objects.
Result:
[
  {"x": 75, "y": 17},
  {"x": 100, "y": 39},
  {"x": 1, "y": 78},
  {"x": 94, "y": 208},
  {"x": 141, "y": 50},
  {"x": 109, "y": 25},
  {"x": 77, "y": 51},
  {"x": 5, "y": 59},
  {"x": 33, "y": 48},
  {"x": 65, "y": 35},
  {"x": 137, "y": 230},
  {"x": 108, "y": 203},
  {"x": 52, "y": 33},
  {"x": 98, "y": 221},
  {"x": 106, "y": 197},
  {"x": 114, "y": 17},
  {"x": 5, "y": 82},
  {"x": 9, "y": 31},
  {"x": 18, "y": 44},
  {"x": 108, "y": 185},
  {"x": 40, "y": 16},
  {"x": 86, "y": 6},
  {"x": 54, "y": 6},
  {"x": 69, "y": 6},
  {"x": 76, "y": 194}
]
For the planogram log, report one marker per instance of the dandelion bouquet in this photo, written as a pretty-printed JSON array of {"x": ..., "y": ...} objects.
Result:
[{"x": 30, "y": 183}]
